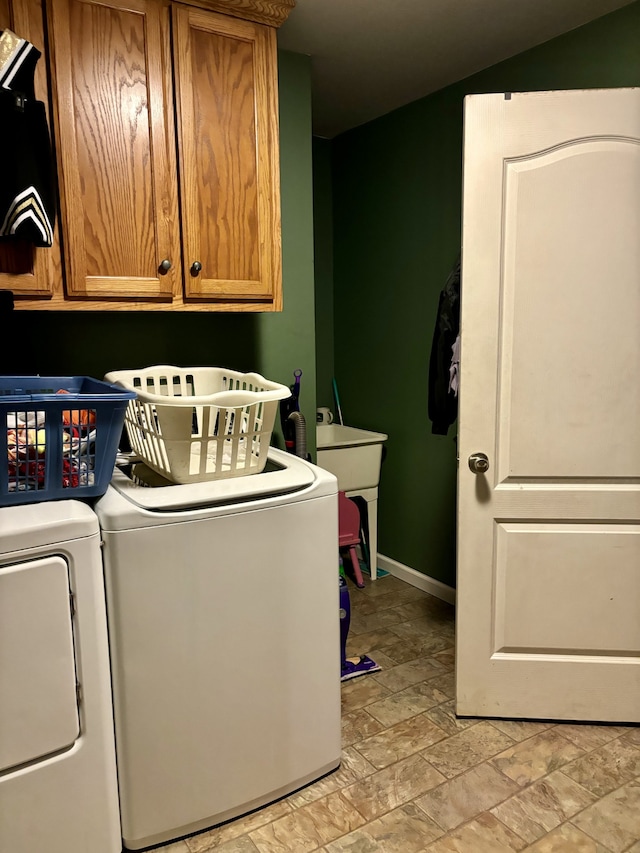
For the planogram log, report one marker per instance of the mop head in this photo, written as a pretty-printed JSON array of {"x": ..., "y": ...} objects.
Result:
[{"x": 362, "y": 665}]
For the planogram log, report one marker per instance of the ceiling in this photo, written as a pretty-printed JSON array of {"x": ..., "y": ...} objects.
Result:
[{"x": 369, "y": 57}]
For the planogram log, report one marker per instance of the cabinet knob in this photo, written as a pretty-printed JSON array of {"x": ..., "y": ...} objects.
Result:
[
  {"x": 165, "y": 266},
  {"x": 196, "y": 266}
]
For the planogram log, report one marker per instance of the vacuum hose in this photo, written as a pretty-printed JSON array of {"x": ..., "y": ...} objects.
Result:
[{"x": 301, "y": 433}]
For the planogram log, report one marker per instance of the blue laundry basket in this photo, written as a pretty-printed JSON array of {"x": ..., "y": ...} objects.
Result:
[{"x": 58, "y": 437}]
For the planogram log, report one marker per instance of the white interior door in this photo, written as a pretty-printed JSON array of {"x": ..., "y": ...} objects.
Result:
[{"x": 548, "y": 618}]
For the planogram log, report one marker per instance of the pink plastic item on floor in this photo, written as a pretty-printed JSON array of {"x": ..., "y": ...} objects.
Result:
[{"x": 349, "y": 532}]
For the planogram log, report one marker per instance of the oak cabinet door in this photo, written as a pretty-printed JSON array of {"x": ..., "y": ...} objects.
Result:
[
  {"x": 26, "y": 270},
  {"x": 227, "y": 120},
  {"x": 116, "y": 148}
]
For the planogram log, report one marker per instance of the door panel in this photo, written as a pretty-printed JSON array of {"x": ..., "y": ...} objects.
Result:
[
  {"x": 226, "y": 80},
  {"x": 38, "y": 705},
  {"x": 591, "y": 611},
  {"x": 118, "y": 163},
  {"x": 548, "y": 551},
  {"x": 559, "y": 417},
  {"x": 27, "y": 270}
]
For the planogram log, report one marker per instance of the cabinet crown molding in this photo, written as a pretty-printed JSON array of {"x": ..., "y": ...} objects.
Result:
[{"x": 271, "y": 12}]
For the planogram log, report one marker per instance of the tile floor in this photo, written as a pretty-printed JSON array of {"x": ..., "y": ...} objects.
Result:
[{"x": 414, "y": 779}]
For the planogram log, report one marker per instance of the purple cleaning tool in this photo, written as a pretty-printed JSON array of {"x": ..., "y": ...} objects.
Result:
[{"x": 362, "y": 665}]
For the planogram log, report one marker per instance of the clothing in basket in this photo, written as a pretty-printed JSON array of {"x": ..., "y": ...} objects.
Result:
[{"x": 27, "y": 195}]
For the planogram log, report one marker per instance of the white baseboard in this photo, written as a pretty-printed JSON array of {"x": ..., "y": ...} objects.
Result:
[{"x": 417, "y": 579}]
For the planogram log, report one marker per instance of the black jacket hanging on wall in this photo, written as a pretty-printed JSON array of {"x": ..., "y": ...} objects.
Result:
[
  {"x": 27, "y": 197},
  {"x": 443, "y": 403}
]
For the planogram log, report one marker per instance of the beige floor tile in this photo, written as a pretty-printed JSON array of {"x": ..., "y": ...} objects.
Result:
[
  {"x": 364, "y": 644},
  {"x": 177, "y": 847},
  {"x": 416, "y": 628},
  {"x": 444, "y": 716},
  {"x": 360, "y": 692},
  {"x": 392, "y": 787},
  {"x": 364, "y": 605},
  {"x": 384, "y": 660},
  {"x": 405, "y": 674},
  {"x": 430, "y": 608},
  {"x": 400, "y": 741},
  {"x": 466, "y": 796},
  {"x": 635, "y": 848},
  {"x": 309, "y": 827},
  {"x": 543, "y": 806},
  {"x": 387, "y": 601},
  {"x": 588, "y": 736},
  {"x": 409, "y": 593},
  {"x": 409, "y": 649},
  {"x": 237, "y": 845},
  {"x": 214, "y": 838},
  {"x": 607, "y": 768},
  {"x": 421, "y": 608},
  {"x": 485, "y": 834},
  {"x": 448, "y": 630},
  {"x": 520, "y": 729},
  {"x": 383, "y": 586},
  {"x": 352, "y": 767},
  {"x": 533, "y": 758},
  {"x": 615, "y": 820},
  {"x": 358, "y": 725},
  {"x": 633, "y": 735},
  {"x": 447, "y": 658},
  {"x": 404, "y": 830},
  {"x": 361, "y": 623},
  {"x": 567, "y": 839},
  {"x": 466, "y": 749},
  {"x": 407, "y": 703},
  {"x": 446, "y": 683}
]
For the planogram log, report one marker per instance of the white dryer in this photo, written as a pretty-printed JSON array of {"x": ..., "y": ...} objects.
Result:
[
  {"x": 222, "y": 602},
  {"x": 58, "y": 789}
]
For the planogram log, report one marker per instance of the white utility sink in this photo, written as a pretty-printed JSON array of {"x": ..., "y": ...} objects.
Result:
[{"x": 354, "y": 456}]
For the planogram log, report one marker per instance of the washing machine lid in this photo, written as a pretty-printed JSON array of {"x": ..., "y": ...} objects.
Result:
[
  {"x": 42, "y": 524},
  {"x": 284, "y": 475}
]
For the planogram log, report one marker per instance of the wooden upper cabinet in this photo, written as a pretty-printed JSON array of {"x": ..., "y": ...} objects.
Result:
[
  {"x": 165, "y": 123},
  {"x": 116, "y": 151},
  {"x": 24, "y": 269},
  {"x": 227, "y": 123}
]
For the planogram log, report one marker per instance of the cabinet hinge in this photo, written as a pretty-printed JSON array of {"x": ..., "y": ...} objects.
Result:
[
  {"x": 72, "y": 603},
  {"x": 78, "y": 693}
]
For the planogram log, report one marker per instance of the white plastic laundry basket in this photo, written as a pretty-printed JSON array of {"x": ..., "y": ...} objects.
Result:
[{"x": 191, "y": 424}]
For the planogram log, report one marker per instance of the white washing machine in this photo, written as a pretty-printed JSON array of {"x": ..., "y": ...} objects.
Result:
[
  {"x": 222, "y": 603},
  {"x": 58, "y": 789}
]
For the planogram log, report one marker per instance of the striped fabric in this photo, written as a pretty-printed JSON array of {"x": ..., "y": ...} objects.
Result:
[
  {"x": 13, "y": 53},
  {"x": 27, "y": 197}
]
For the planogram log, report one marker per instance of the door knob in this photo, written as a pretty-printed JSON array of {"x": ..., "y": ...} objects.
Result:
[
  {"x": 196, "y": 266},
  {"x": 165, "y": 266},
  {"x": 479, "y": 463}
]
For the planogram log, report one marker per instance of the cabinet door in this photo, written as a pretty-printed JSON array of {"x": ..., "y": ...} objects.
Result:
[
  {"x": 25, "y": 269},
  {"x": 227, "y": 116},
  {"x": 116, "y": 148}
]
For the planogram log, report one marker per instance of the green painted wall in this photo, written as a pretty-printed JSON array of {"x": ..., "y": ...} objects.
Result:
[
  {"x": 396, "y": 215},
  {"x": 92, "y": 343},
  {"x": 323, "y": 254}
]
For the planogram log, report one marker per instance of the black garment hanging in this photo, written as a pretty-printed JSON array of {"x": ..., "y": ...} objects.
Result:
[
  {"x": 27, "y": 195},
  {"x": 443, "y": 402}
]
